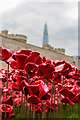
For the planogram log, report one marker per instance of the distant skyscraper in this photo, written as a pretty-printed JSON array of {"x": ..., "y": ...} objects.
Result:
[
  {"x": 46, "y": 45},
  {"x": 45, "y": 36}
]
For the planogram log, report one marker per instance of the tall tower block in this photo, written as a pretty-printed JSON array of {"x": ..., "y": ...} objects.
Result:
[
  {"x": 46, "y": 39},
  {"x": 45, "y": 36}
]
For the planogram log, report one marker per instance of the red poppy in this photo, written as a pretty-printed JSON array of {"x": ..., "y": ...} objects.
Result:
[
  {"x": 38, "y": 108},
  {"x": 19, "y": 80},
  {"x": 26, "y": 52},
  {"x": 8, "y": 100},
  {"x": 15, "y": 86},
  {"x": 76, "y": 99},
  {"x": 58, "y": 62},
  {"x": 63, "y": 68},
  {"x": 38, "y": 60},
  {"x": 32, "y": 57},
  {"x": 18, "y": 101},
  {"x": 57, "y": 77},
  {"x": 6, "y": 54},
  {"x": 48, "y": 106},
  {"x": 29, "y": 67},
  {"x": 46, "y": 96},
  {"x": 3, "y": 77},
  {"x": 59, "y": 68},
  {"x": 44, "y": 59},
  {"x": 46, "y": 70},
  {"x": 5, "y": 90},
  {"x": 67, "y": 93},
  {"x": 18, "y": 62},
  {"x": 66, "y": 100},
  {"x": 43, "y": 89},
  {"x": 38, "y": 88},
  {"x": 33, "y": 89},
  {"x": 9, "y": 112},
  {"x": 33, "y": 99},
  {"x": 49, "y": 62}
]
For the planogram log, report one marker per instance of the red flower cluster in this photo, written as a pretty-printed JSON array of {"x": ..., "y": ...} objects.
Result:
[{"x": 33, "y": 77}]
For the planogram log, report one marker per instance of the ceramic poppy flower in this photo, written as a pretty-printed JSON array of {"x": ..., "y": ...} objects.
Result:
[
  {"x": 66, "y": 100},
  {"x": 68, "y": 86},
  {"x": 58, "y": 62},
  {"x": 46, "y": 70},
  {"x": 76, "y": 99},
  {"x": 38, "y": 108},
  {"x": 59, "y": 86},
  {"x": 6, "y": 54},
  {"x": 29, "y": 67},
  {"x": 57, "y": 77},
  {"x": 19, "y": 80},
  {"x": 67, "y": 93},
  {"x": 48, "y": 106},
  {"x": 18, "y": 101},
  {"x": 9, "y": 112},
  {"x": 38, "y": 60},
  {"x": 7, "y": 90},
  {"x": 38, "y": 88},
  {"x": 43, "y": 89},
  {"x": 3, "y": 77},
  {"x": 4, "y": 90},
  {"x": 32, "y": 89},
  {"x": 8, "y": 100},
  {"x": 15, "y": 86},
  {"x": 49, "y": 62},
  {"x": 33, "y": 99},
  {"x": 22, "y": 73},
  {"x": 44, "y": 59},
  {"x": 59, "y": 68},
  {"x": 46, "y": 96},
  {"x": 26, "y": 52},
  {"x": 63, "y": 68},
  {"x": 32, "y": 57},
  {"x": 72, "y": 71},
  {"x": 76, "y": 76},
  {"x": 18, "y": 62}
]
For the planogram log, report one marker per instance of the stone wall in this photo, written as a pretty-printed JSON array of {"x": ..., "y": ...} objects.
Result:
[
  {"x": 18, "y": 37},
  {"x": 17, "y": 45},
  {"x": 49, "y": 47}
]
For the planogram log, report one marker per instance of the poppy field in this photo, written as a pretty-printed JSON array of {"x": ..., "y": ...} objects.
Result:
[{"x": 38, "y": 88}]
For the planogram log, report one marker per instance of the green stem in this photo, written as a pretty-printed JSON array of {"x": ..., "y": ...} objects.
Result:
[
  {"x": 54, "y": 98},
  {"x": 51, "y": 99},
  {"x": 62, "y": 81},
  {"x": 62, "y": 103},
  {"x": 30, "y": 111},
  {"x": 72, "y": 113},
  {"x": 18, "y": 106},
  {"x": 57, "y": 97},
  {"x": 22, "y": 106},
  {"x": 14, "y": 103},
  {"x": 7, "y": 75},
  {"x": 44, "y": 109},
  {"x": 7, "y": 87},
  {"x": 34, "y": 113}
]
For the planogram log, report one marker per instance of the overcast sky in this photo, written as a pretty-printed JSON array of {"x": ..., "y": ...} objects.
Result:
[{"x": 28, "y": 18}]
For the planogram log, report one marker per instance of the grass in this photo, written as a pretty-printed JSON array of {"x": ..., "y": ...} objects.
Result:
[{"x": 63, "y": 113}]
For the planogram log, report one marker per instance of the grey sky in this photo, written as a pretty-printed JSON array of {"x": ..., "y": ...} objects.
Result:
[{"x": 29, "y": 19}]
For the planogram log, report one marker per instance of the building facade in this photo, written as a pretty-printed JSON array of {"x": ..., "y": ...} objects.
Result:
[{"x": 17, "y": 42}]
